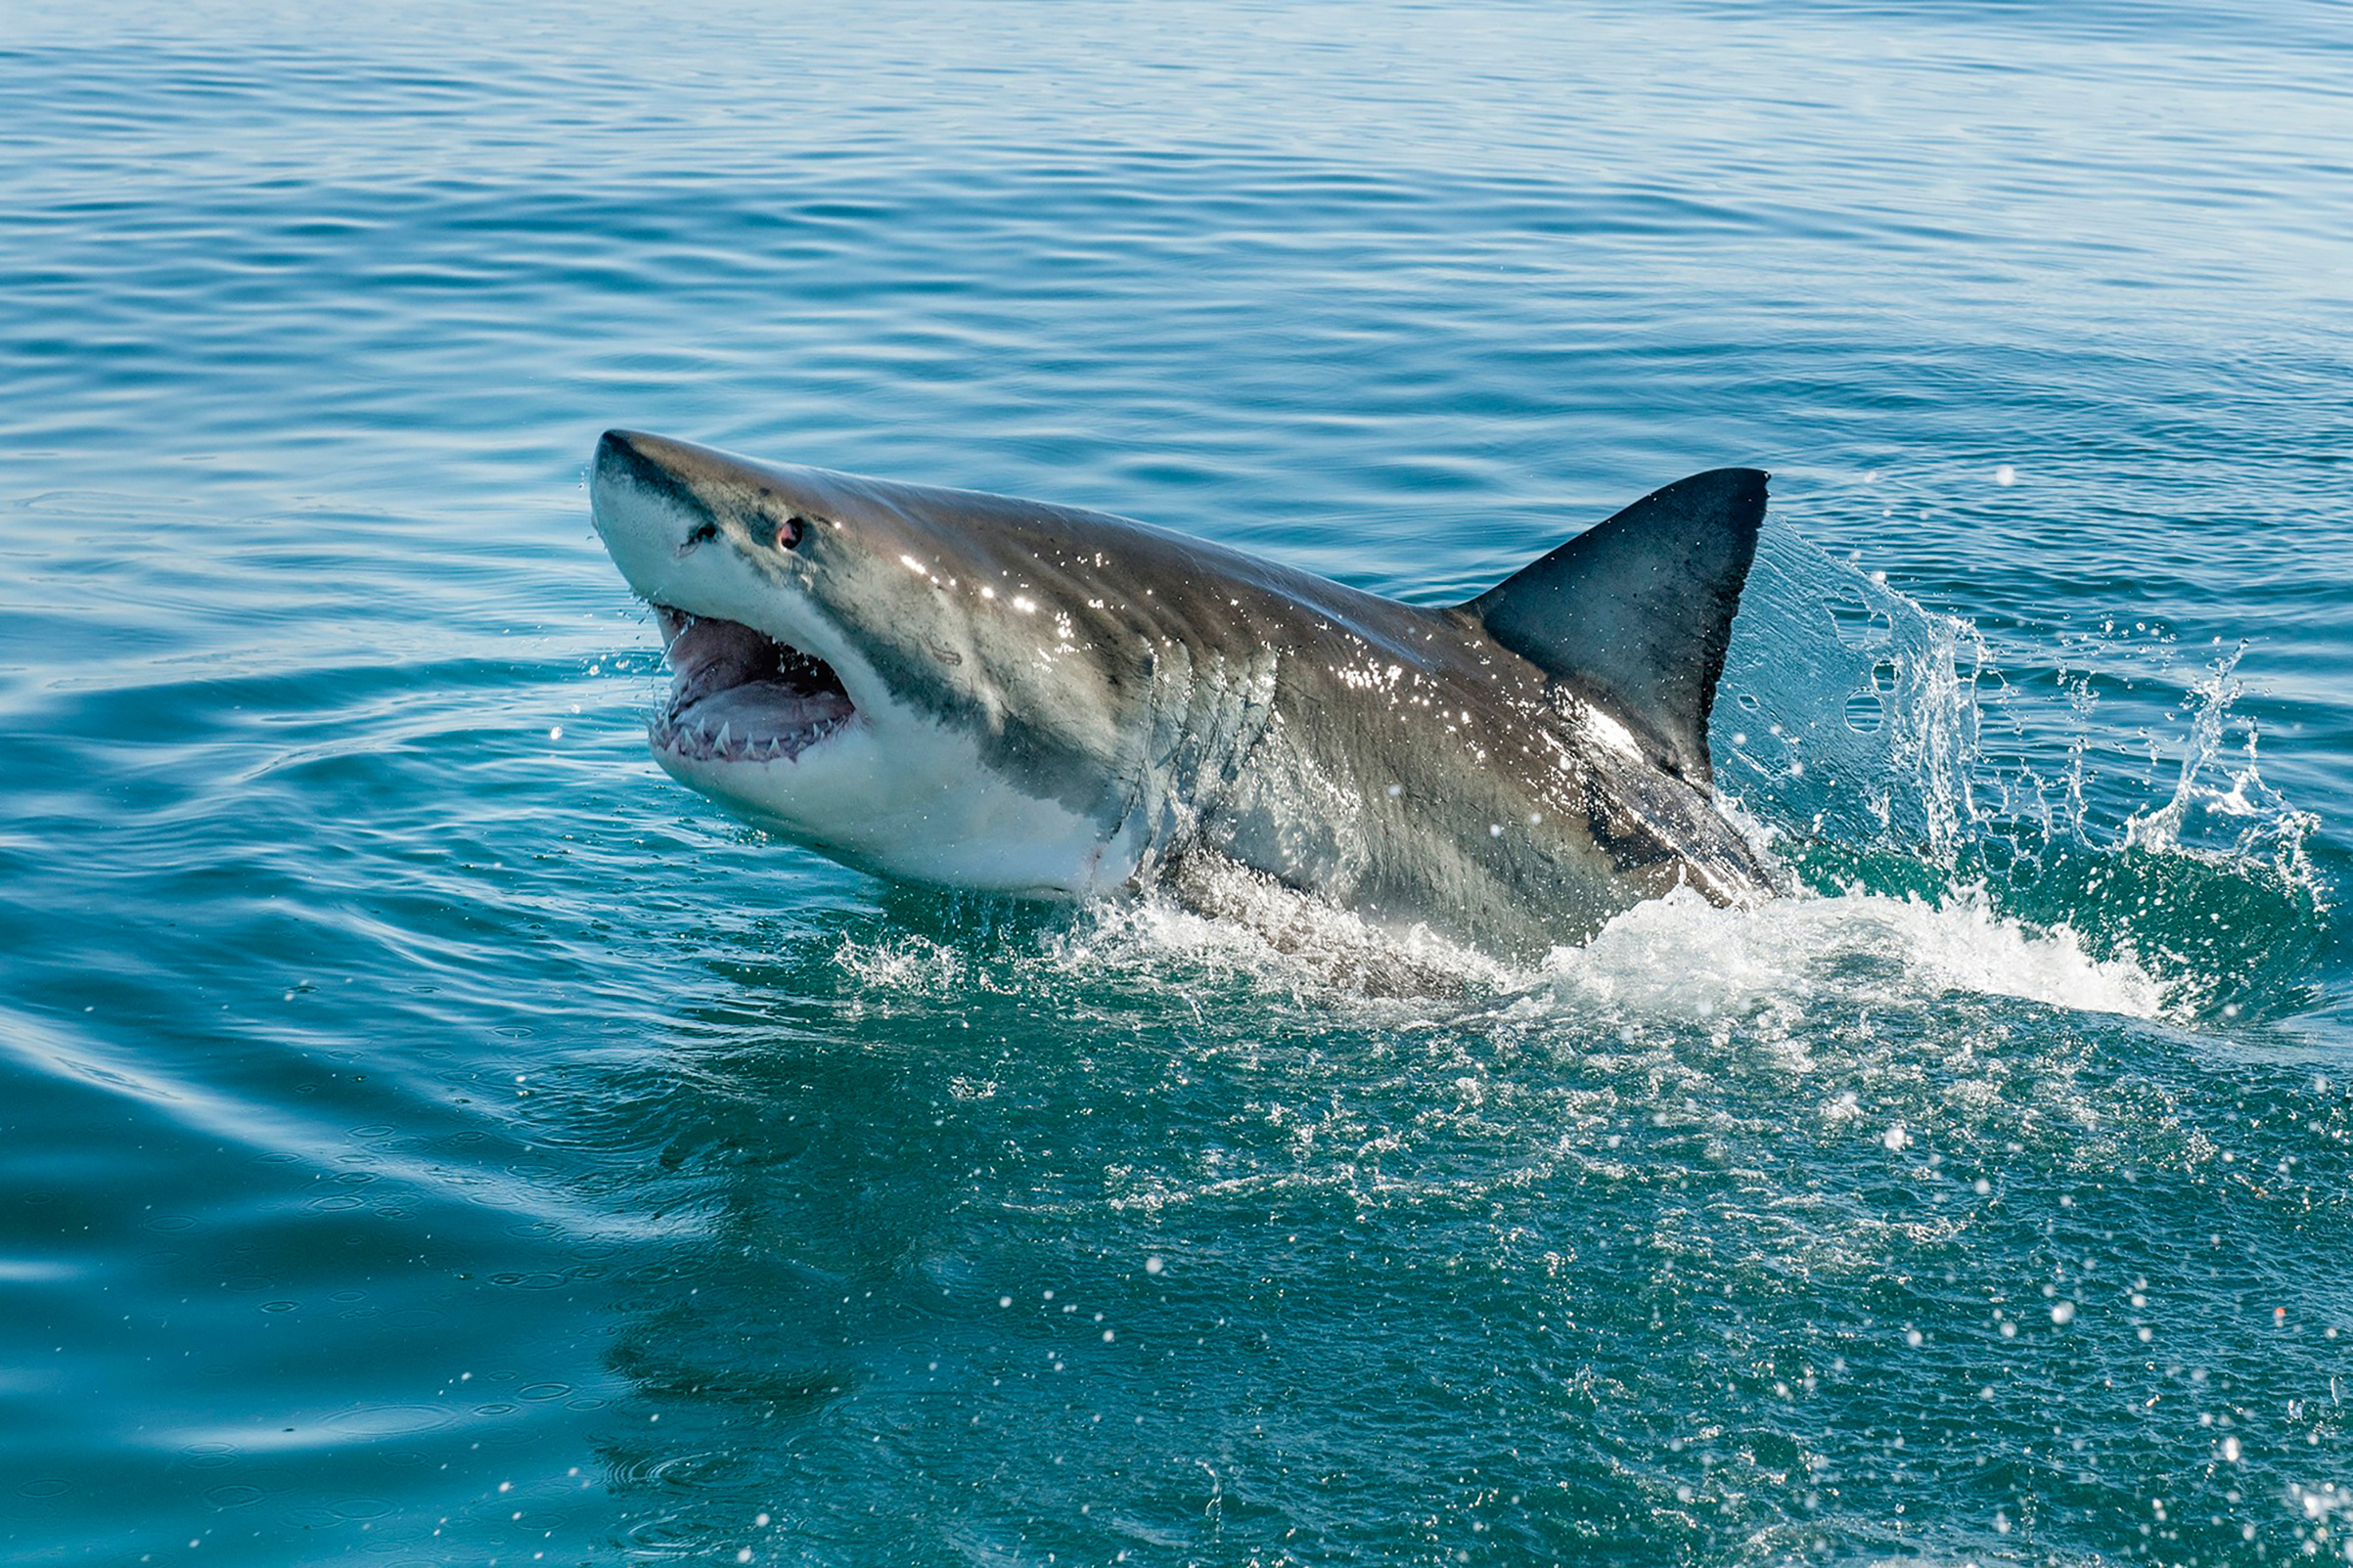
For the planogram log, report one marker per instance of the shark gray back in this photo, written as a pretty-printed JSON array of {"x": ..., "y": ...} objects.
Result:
[{"x": 973, "y": 690}]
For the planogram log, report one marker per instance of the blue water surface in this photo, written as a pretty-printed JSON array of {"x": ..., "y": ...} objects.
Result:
[{"x": 427, "y": 1134}]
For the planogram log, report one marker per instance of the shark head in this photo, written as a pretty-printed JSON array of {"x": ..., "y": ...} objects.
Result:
[{"x": 929, "y": 684}]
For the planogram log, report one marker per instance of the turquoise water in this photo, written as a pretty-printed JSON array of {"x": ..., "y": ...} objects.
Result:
[{"x": 430, "y": 1135}]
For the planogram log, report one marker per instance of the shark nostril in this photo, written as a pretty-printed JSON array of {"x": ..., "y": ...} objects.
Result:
[
  {"x": 702, "y": 535},
  {"x": 790, "y": 532}
]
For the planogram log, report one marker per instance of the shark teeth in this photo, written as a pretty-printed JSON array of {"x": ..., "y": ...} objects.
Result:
[{"x": 695, "y": 741}]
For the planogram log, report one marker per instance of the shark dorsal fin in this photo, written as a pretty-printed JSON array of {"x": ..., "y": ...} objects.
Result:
[{"x": 1636, "y": 613}]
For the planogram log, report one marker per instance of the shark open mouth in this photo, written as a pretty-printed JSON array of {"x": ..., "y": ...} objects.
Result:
[{"x": 738, "y": 694}]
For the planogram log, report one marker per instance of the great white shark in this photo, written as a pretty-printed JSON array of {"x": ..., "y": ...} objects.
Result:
[{"x": 977, "y": 692}]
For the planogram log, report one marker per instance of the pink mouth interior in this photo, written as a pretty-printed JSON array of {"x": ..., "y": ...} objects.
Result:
[{"x": 738, "y": 694}]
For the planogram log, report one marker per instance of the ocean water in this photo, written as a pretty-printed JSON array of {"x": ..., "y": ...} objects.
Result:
[{"x": 429, "y": 1135}]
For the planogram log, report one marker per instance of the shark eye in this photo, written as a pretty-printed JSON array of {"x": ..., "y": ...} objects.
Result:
[{"x": 788, "y": 533}]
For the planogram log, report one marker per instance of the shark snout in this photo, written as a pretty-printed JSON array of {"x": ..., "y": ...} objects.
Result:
[
  {"x": 629, "y": 459},
  {"x": 648, "y": 502},
  {"x": 620, "y": 447},
  {"x": 695, "y": 486}
]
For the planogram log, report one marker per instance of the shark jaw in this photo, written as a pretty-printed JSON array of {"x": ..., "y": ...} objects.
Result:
[
  {"x": 770, "y": 732},
  {"x": 741, "y": 697}
]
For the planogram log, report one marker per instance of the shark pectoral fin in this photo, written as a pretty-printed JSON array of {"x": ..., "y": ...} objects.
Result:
[{"x": 1637, "y": 611}]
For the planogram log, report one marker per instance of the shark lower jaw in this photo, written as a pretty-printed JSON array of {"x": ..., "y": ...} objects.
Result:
[{"x": 740, "y": 699}]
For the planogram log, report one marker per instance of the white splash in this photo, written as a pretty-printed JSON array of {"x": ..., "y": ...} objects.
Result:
[
  {"x": 1238, "y": 923},
  {"x": 1681, "y": 955},
  {"x": 1674, "y": 959},
  {"x": 902, "y": 964}
]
